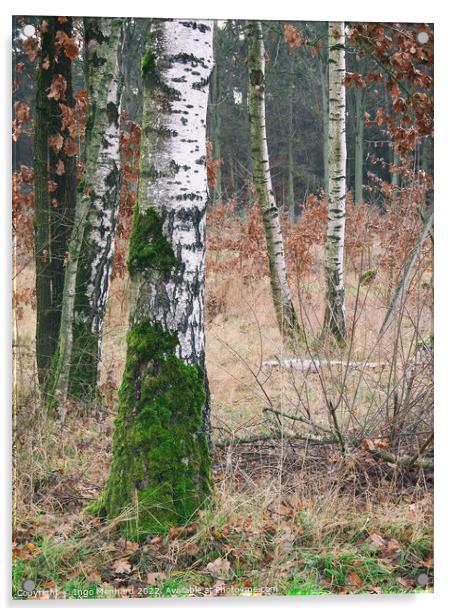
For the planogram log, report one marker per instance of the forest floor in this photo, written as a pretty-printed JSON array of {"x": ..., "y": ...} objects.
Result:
[{"x": 287, "y": 517}]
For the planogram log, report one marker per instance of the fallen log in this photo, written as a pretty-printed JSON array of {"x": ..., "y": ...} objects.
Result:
[
  {"x": 312, "y": 439},
  {"x": 313, "y": 365}
]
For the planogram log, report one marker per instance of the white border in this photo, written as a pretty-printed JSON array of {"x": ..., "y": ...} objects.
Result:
[{"x": 382, "y": 10}]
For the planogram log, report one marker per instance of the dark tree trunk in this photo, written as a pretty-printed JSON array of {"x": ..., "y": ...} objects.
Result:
[{"x": 55, "y": 189}]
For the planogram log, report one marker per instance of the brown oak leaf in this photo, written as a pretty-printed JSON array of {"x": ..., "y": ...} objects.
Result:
[{"x": 58, "y": 88}]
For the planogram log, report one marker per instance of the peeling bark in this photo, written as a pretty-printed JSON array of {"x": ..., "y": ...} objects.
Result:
[
  {"x": 91, "y": 245},
  {"x": 282, "y": 299},
  {"x": 334, "y": 321}
]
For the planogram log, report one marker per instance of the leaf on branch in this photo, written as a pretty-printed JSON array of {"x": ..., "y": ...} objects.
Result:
[
  {"x": 70, "y": 147},
  {"x": 60, "y": 170},
  {"x": 393, "y": 87},
  {"x": 292, "y": 36},
  {"x": 380, "y": 116},
  {"x": 354, "y": 79},
  {"x": 58, "y": 88},
  {"x": 26, "y": 174},
  {"x": 68, "y": 119},
  {"x": 68, "y": 44},
  {"x": 399, "y": 104},
  {"x": 31, "y": 48},
  {"x": 56, "y": 142},
  {"x": 22, "y": 111},
  {"x": 336, "y": 33}
]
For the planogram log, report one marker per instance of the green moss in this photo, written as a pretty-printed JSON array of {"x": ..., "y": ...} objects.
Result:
[
  {"x": 148, "y": 65},
  {"x": 151, "y": 76},
  {"x": 160, "y": 474},
  {"x": 367, "y": 276},
  {"x": 83, "y": 371},
  {"x": 51, "y": 380},
  {"x": 149, "y": 248}
]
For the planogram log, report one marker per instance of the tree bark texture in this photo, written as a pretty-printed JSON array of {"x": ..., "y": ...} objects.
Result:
[
  {"x": 334, "y": 321},
  {"x": 282, "y": 299},
  {"x": 91, "y": 245},
  {"x": 96, "y": 250},
  {"x": 55, "y": 190},
  {"x": 161, "y": 461}
]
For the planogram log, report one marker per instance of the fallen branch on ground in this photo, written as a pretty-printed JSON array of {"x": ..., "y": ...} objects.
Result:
[
  {"x": 313, "y": 365},
  {"x": 403, "y": 462},
  {"x": 305, "y": 420},
  {"x": 312, "y": 439}
]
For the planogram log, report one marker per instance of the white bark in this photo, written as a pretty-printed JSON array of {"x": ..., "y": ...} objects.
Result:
[
  {"x": 337, "y": 155},
  {"x": 282, "y": 298},
  {"x": 101, "y": 160},
  {"x": 308, "y": 366},
  {"x": 173, "y": 178}
]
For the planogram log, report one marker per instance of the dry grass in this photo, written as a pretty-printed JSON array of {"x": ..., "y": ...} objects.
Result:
[{"x": 285, "y": 514}]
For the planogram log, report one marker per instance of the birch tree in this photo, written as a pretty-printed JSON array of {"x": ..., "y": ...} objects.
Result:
[
  {"x": 161, "y": 465},
  {"x": 282, "y": 300},
  {"x": 334, "y": 320},
  {"x": 55, "y": 186},
  {"x": 91, "y": 244}
]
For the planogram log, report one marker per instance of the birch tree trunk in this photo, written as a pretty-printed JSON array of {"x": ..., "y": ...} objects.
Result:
[
  {"x": 54, "y": 192},
  {"x": 282, "y": 300},
  {"x": 97, "y": 197},
  {"x": 161, "y": 462},
  {"x": 334, "y": 321},
  {"x": 96, "y": 250}
]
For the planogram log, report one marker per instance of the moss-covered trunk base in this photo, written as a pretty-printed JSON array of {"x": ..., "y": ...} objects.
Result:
[{"x": 160, "y": 474}]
